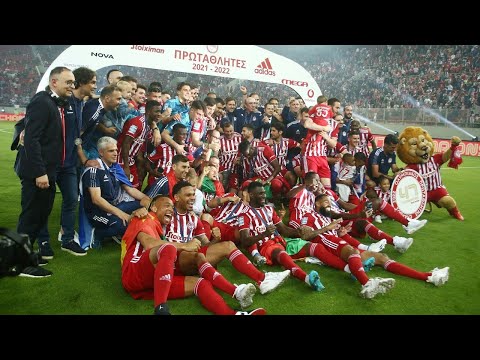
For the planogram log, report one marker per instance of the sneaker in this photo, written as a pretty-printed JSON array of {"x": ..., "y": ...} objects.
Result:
[
  {"x": 244, "y": 294},
  {"x": 439, "y": 276},
  {"x": 162, "y": 309},
  {"x": 375, "y": 286},
  {"x": 259, "y": 260},
  {"x": 273, "y": 280},
  {"x": 367, "y": 264},
  {"x": 402, "y": 244},
  {"x": 259, "y": 311},
  {"x": 378, "y": 246},
  {"x": 73, "y": 248},
  {"x": 313, "y": 260},
  {"x": 378, "y": 219},
  {"x": 45, "y": 250},
  {"x": 117, "y": 239},
  {"x": 42, "y": 261},
  {"x": 414, "y": 225},
  {"x": 35, "y": 272},
  {"x": 314, "y": 281},
  {"x": 75, "y": 236}
]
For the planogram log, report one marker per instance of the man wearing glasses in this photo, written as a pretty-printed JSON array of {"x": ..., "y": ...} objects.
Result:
[{"x": 43, "y": 150}]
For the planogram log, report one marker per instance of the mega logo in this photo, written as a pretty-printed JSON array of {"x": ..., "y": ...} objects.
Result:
[
  {"x": 265, "y": 68},
  {"x": 294, "y": 83},
  {"x": 101, "y": 55}
]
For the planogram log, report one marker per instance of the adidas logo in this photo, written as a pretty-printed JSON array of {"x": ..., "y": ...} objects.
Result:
[
  {"x": 265, "y": 68},
  {"x": 166, "y": 277}
]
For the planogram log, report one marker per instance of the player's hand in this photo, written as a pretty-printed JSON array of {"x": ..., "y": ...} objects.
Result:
[
  {"x": 42, "y": 182},
  {"x": 270, "y": 230},
  {"x": 235, "y": 199},
  {"x": 216, "y": 234},
  {"x": 193, "y": 245},
  {"x": 140, "y": 213}
]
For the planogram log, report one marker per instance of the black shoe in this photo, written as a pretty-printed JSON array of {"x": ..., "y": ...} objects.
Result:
[
  {"x": 162, "y": 309},
  {"x": 73, "y": 248},
  {"x": 42, "y": 261},
  {"x": 35, "y": 272},
  {"x": 45, "y": 250}
]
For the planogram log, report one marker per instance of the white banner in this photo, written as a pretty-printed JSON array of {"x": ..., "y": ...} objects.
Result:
[{"x": 247, "y": 62}]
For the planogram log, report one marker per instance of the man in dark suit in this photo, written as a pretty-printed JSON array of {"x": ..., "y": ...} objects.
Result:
[{"x": 43, "y": 150}]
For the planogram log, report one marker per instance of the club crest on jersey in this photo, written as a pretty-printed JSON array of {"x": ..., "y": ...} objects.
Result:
[
  {"x": 190, "y": 226},
  {"x": 133, "y": 129},
  {"x": 241, "y": 221}
]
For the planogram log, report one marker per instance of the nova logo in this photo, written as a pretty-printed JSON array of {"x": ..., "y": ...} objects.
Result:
[
  {"x": 107, "y": 56},
  {"x": 294, "y": 82},
  {"x": 265, "y": 68}
]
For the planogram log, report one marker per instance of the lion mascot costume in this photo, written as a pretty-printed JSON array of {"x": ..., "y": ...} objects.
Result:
[{"x": 415, "y": 148}]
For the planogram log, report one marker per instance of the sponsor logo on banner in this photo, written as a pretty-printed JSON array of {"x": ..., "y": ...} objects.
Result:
[
  {"x": 265, "y": 68},
  {"x": 409, "y": 193},
  {"x": 294, "y": 82},
  {"x": 101, "y": 55},
  {"x": 146, "y": 48},
  {"x": 310, "y": 93}
]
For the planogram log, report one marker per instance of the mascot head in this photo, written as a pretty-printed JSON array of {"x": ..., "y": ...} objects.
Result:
[{"x": 415, "y": 145}]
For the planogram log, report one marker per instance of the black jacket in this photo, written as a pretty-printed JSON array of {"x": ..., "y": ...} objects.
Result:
[{"x": 43, "y": 139}]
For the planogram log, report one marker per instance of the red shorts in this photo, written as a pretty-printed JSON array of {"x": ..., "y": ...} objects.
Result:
[
  {"x": 227, "y": 231},
  {"x": 333, "y": 244},
  {"x": 318, "y": 164},
  {"x": 437, "y": 194},
  {"x": 268, "y": 247},
  {"x": 138, "y": 278}
]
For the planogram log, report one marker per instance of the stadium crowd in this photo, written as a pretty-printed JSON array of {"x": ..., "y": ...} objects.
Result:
[{"x": 382, "y": 76}]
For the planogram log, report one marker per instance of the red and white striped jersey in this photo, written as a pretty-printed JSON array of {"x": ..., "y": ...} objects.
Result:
[
  {"x": 384, "y": 195},
  {"x": 430, "y": 171},
  {"x": 199, "y": 126},
  {"x": 135, "y": 128},
  {"x": 315, "y": 144},
  {"x": 260, "y": 164},
  {"x": 228, "y": 151},
  {"x": 229, "y": 212},
  {"x": 184, "y": 227},
  {"x": 365, "y": 137},
  {"x": 281, "y": 149},
  {"x": 138, "y": 129},
  {"x": 162, "y": 157},
  {"x": 302, "y": 202},
  {"x": 317, "y": 221},
  {"x": 250, "y": 220}
]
